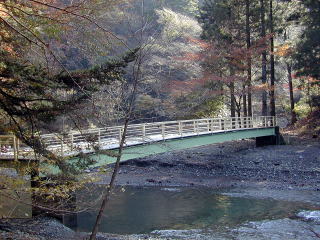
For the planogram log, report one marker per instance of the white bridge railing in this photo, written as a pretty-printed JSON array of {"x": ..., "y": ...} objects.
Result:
[{"x": 87, "y": 140}]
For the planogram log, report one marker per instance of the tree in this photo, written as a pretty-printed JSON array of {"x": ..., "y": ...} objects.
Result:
[
  {"x": 286, "y": 35},
  {"x": 34, "y": 91},
  {"x": 308, "y": 50},
  {"x": 249, "y": 60},
  {"x": 292, "y": 111},
  {"x": 264, "y": 59},
  {"x": 272, "y": 63},
  {"x": 217, "y": 21},
  {"x": 31, "y": 94},
  {"x": 233, "y": 23}
]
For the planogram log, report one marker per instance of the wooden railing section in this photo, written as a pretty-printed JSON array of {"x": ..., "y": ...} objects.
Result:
[{"x": 73, "y": 142}]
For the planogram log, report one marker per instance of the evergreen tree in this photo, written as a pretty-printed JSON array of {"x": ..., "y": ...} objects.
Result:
[{"x": 308, "y": 51}]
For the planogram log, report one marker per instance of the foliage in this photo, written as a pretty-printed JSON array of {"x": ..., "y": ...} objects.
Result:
[
  {"x": 210, "y": 109},
  {"x": 31, "y": 98},
  {"x": 186, "y": 7},
  {"x": 176, "y": 25},
  {"x": 307, "y": 55},
  {"x": 167, "y": 43}
]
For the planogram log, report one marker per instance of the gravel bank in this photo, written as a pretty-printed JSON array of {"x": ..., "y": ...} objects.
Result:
[{"x": 238, "y": 163}]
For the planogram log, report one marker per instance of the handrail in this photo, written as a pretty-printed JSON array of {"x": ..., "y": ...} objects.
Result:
[{"x": 87, "y": 140}]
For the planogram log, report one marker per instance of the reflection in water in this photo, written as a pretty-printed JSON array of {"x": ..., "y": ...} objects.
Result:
[
  {"x": 14, "y": 199},
  {"x": 142, "y": 210},
  {"x": 15, "y": 185}
]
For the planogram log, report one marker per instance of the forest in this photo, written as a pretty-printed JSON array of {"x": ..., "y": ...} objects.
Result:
[
  {"x": 67, "y": 66},
  {"x": 192, "y": 59}
]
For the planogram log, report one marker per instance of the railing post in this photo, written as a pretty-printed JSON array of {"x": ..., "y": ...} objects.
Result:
[
  {"x": 196, "y": 125},
  {"x": 99, "y": 137},
  {"x": 220, "y": 124},
  {"x": 208, "y": 124},
  {"x": 163, "y": 131},
  {"x": 71, "y": 138},
  {"x": 15, "y": 148},
  {"x": 180, "y": 128},
  {"x": 265, "y": 121},
  {"x": 18, "y": 147},
  {"x": 62, "y": 152},
  {"x": 120, "y": 135},
  {"x": 143, "y": 132},
  {"x": 254, "y": 122}
]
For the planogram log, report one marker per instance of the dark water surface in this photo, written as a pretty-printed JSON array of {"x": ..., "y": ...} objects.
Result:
[{"x": 142, "y": 210}]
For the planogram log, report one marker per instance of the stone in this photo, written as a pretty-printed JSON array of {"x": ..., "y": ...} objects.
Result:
[{"x": 313, "y": 216}]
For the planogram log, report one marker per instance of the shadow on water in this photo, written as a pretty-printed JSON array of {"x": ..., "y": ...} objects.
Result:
[
  {"x": 15, "y": 201},
  {"x": 142, "y": 210}
]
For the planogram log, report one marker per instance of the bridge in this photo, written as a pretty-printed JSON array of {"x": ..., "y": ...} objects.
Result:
[{"x": 149, "y": 138}]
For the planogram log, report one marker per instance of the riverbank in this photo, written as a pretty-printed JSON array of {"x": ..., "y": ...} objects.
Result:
[{"x": 295, "y": 166}]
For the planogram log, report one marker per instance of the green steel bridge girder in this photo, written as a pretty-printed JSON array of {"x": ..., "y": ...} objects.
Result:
[{"x": 144, "y": 150}]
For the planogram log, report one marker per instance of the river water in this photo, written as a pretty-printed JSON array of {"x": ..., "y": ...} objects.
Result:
[
  {"x": 185, "y": 213},
  {"x": 135, "y": 210}
]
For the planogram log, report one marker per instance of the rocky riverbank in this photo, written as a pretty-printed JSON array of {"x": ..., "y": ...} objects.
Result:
[{"x": 238, "y": 163}]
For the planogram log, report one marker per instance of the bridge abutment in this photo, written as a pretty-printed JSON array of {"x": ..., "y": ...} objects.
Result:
[{"x": 276, "y": 139}]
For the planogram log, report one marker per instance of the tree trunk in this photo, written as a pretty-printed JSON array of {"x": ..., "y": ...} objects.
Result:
[
  {"x": 111, "y": 184},
  {"x": 249, "y": 73},
  {"x": 293, "y": 114},
  {"x": 233, "y": 100},
  {"x": 245, "y": 111},
  {"x": 232, "y": 97},
  {"x": 272, "y": 70},
  {"x": 264, "y": 61}
]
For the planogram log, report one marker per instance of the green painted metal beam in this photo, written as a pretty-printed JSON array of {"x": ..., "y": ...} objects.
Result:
[{"x": 139, "y": 151}]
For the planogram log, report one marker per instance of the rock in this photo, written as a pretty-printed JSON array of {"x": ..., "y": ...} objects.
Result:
[
  {"x": 87, "y": 171},
  {"x": 282, "y": 229},
  {"x": 258, "y": 160},
  {"x": 313, "y": 216},
  {"x": 151, "y": 180}
]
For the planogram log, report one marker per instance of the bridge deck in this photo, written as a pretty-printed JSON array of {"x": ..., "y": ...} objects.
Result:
[{"x": 87, "y": 140}]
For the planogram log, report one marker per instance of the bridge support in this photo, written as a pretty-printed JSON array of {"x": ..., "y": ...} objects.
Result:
[{"x": 276, "y": 139}]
